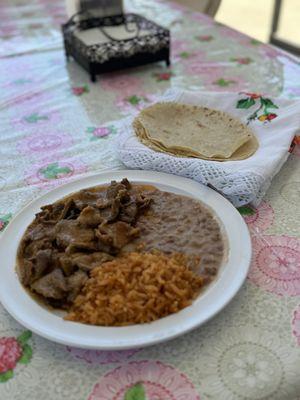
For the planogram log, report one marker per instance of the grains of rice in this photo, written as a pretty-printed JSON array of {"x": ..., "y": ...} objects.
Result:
[{"x": 136, "y": 288}]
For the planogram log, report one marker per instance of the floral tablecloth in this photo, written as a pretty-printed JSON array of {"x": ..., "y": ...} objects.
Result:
[{"x": 54, "y": 127}]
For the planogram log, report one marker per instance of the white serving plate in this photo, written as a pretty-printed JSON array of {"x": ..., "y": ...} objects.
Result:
[{"x": 51, "y": 325}]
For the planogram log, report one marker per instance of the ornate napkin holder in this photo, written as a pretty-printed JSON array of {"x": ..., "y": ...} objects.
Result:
[{"x": 108, "y": 43}]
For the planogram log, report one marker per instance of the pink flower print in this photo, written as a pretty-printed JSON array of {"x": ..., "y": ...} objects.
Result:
[
  {"x": 163, "y": 76},
  {"x": 100, "y": 132},
  {"x": 204, "y": 38},
  {"x": 242, "y": 60},
  {"x": 13, "y": 351},
  {"x": 80, "y": 90},
  {"x": 4, "y": 220},
  {"x": 97, "y": 357},
  {"x": 258, "y": 219},
  {"x": 51, "y": 172},
  {"x": 253, "y": 96},
  {"x": 10, "y": 352},
  {"x": 120, "y": 83},
  {"x": 276, "y": 264},
  {"x": 296, "y": 325},
  {"x": 144, "y": 380},
  {"x": 44, "y": 143}
]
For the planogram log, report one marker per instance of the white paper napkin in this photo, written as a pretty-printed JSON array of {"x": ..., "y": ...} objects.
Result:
[{"x": 274, "y": 121}]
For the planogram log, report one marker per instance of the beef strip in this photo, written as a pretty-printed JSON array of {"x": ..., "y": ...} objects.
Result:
[
  {"x": 43, "y": 262},
  {"x": 103, "y": 203},
  {"x": 39, "y": 231},
  {"x": 83, "y": 246},
  {"x": 87, "y": 262},
  {"x": 37, "y": 262},
  {"x": 51, "y": 213},
  {"x": 70, "y": 232},
  {"x": 116, "y": 235},
  {"x": 70, "y": 211},
  {"x": 33, "y": 247},
  {"x": 114, "y": 210},
  {"x": 52, "y": 285},
  {"x": 25, "y": 270},
  {"x": 114, "y": 188},
  {"x": 126, "y": 183},
  {"x": 90, "y": 217},
  {"x": 86, "y": 198},
  {"x": 129, "y": 213},
  {"x": 66, "y": 264},
  {"x": 75, "y": 283}
]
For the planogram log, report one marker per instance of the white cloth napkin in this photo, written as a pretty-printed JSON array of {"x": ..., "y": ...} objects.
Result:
[{"x": 242, "y": 182}]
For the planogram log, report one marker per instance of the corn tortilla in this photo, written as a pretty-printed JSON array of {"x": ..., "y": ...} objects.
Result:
[{"x": 194, "y": 131}]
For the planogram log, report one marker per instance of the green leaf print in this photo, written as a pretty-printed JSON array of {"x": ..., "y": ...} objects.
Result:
[
  {"x": 34, "y": 118},
  {"x": 90, "y": 129},
  {"x": 24, "y": 337},
  {"x": 134, "y": 100},
  {"x": 224, "y": 82},
  {"x": 5, "y": 376},
  {"x": 26, "y": 354},
  {"x": 53, "y": 171},
  {"x": 136, "y": 392},
  {"x": 246, "y": 210},
  {"x": 21, "y": 81},
  {"x": 185, "y": 54},
  {"x": 255, "y": 42},
  {"x": 267, "y": 103},
  {"x": 245, "y": 103}
]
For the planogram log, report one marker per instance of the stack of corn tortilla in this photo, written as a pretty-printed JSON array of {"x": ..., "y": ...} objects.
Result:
[{"x": 192, "y": 131}]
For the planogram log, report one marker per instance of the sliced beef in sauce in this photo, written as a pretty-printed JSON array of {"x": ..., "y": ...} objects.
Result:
[
  {"x": 87, "y": 262},
  {"x": 69, "y": 238},
  {"x": 25, "y": 271},
  {"x": 53, "y": 285},
  {"x": 70, "y": 231},
  {"x": 90, "y": 217},
  {"x": 116, "y": 235},
  {"x": 75, "y": 283}
]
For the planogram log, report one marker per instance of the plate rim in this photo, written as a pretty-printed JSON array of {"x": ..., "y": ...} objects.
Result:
[{"x": 142, "y": 176}]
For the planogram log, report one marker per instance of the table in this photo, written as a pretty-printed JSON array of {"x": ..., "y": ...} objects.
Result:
[{"x": 55, "y": 126}]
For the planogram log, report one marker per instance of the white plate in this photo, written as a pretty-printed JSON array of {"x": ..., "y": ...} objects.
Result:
[{"x": 50, "y": 324}]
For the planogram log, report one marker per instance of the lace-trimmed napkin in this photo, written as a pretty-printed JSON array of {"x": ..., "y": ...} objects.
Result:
[{"x": 273, "y": 121}]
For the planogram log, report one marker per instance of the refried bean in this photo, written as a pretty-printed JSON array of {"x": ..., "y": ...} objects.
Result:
[{"x": 176, "y": 223}]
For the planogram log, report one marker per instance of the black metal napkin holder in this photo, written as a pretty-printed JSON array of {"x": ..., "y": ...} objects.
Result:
[{"x": 115, "y": 53}]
